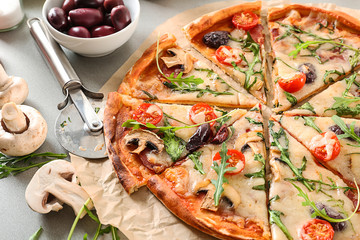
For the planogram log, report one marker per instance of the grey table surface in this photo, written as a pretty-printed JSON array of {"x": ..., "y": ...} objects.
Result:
[{"x": 21, "y": 57}]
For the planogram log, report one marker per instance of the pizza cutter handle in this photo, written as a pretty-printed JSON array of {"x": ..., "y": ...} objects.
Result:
[{"x": 54, "y": 55}]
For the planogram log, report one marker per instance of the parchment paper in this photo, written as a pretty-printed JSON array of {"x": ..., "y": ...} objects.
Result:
[{"x": 141, "y": 216}]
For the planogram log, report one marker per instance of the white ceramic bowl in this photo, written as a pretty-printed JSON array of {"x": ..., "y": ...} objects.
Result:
[{"x": 93, "y": 47}]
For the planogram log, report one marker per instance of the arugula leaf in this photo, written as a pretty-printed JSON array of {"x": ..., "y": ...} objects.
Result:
[
  {"x": 252, "y": 121},
  {"x": 261, "y": 173},
  {"x": 328, "y": 72},
  {"x": 15, "y": 165},
  {"x": 341, "y": 106},
  {"x": 275, "y": 198},
  {"x": 290, "y": 98},
  {"x": 255, "y": 48},
  {"x": 279, "y": 59},
  {"x": 174, "y": 145},
  {"x": 309, "y": 121},
  {"x": 222, "y": 121},
  {"x": 348, "y": 131},
  {"x": 190, "y": 87},
  {"x": 284, "y": 157},
  {"x": 292, "y": 30},
  {"x": 322, "y": 213},
  {"x": 275, "y": 218},
  {"x": 221, "y": 170},
  {"x": 152, "y": 97},
  {"x": 36, "y": 235},
  {"x": 307, "y": 106},
  {"x": 195, "y": 157},
  {"x": 131, "y": 123},
  {"x": 349, "y": 82}
]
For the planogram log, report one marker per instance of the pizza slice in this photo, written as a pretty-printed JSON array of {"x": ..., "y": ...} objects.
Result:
[
  {"x": 311, "y": 48},
  {"x": 334, "y": 141},
  {"x": 206, "y": 165},
  {"x": 341, "y": 98},
  {"x": 167, "y": 73},
  {"x": 307, "y": 201},
  {"x": 233, "y": 39}
]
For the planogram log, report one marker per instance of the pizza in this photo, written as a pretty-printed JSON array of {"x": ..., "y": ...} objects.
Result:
[
  {"x": 188, "y": 123},
  {"x": 205, "y": 164},
  {"x": 297, "y": 182},
  {"x": 311, "y": 48},
  {"x": 167, "y": 73},
  {"x": 233, "y": 38},
  {"x": 341, "y": 98}
]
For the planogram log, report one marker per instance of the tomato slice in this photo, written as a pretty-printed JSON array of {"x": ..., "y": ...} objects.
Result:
[
  {"x": 245, "y": 20},
  {"x": 202, "y": 112},
  {"x": 293, "y": 83},
  {"x": 325, "y": 146},
  {"x": 226, "y": 55},
  {"x": 148, "y": 113},
  {"x": 317, "y": 229},
  {"x": 237, "y": 160}
]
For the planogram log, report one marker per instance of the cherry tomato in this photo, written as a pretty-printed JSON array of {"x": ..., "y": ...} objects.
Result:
[
  {"x": 325, "y": 146},
  {"x": 237, "y": 160},
  {"x": 148, "y": 113},
  {"x": 245, "y": 20},
  {"x": 202, "y": 112},
  {"x": 226, "y": 55},
  {"x": 317, "y": 229},
  {"x": 294, "y": 83}
]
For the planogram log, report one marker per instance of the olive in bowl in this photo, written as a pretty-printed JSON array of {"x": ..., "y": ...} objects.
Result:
[{"x": 91, "y": 28}]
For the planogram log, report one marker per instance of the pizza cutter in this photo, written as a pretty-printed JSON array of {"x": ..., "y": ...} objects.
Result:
[{"x": 78, "y": 127}]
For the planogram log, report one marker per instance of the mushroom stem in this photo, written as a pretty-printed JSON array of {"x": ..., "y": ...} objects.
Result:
[
  {"x": 4, "y": 79},
  {"x": 13, "y": 118}
]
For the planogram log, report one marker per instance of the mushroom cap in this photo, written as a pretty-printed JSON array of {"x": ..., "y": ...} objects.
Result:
[
  {"x": 28, "y": 141},
  {"x": 15, "y": 90},
  {"x": 52, "y": 185}
]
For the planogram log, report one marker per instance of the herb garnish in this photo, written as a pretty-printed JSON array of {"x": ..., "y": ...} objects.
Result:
[
  {"x": 250, "y": 44},
  {"x": 290, "y": 98},
  {"x": 195, "y": 157},
  {"x": 341, "y": 106},
  {"x": 151, "y": 96},
  {"x": 307, "y": 106},
  {"x": 275, "y": 218},
  {"x": 253, "y": 121},
  {"x": 37, "y": 234},
  {"x": 309, "y": 121},
  {"x": 284, "y": 157},
  {"x": 348, "y": 131},
  {"x": 322, "y": 213},
  {"x": 99, "y": 231},
  {"x": 131, "y": 123},
  {"x": 174, "y": 145},
  {"x": 221, "y": 170},
  {"x": 328, "y": 72},
  {"x": 14, "y": 165},
  {"x": 260, "y": 174}
]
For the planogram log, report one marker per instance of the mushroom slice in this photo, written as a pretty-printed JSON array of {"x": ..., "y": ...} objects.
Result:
[
  {"x": 179, "y": 58},
  {"x": 231, "y": 194},
  {"x": 208, "y": 202},
  {"x": 138, "y": 140},
  {"x": 22, "y": 130},
  {"x": 12, "y": 89},
  {"x": 58, "y": 180}
]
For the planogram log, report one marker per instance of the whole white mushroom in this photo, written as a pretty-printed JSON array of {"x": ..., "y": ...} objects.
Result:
[
  {"x": 22, "y": 130},
  {"x": 52, "y": 185},
  {"x": 12, "y": 89}
]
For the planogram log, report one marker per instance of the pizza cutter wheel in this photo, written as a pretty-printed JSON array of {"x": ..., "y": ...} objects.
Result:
[{"x": 78, "y": 128}]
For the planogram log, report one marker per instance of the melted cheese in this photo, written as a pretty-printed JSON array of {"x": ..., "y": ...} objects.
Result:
[{"x": 290, "y": 204}]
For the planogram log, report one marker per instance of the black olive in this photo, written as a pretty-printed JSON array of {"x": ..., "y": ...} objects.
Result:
[
  {"x": 199, "y": 138},
  {"x": 309, "y": 71},
  {"x": 337, "y": 226},
  {"x": 221, "y": 135},
  {"x": 245, "y": 147},
  {"x": 216, "y": 39}
]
